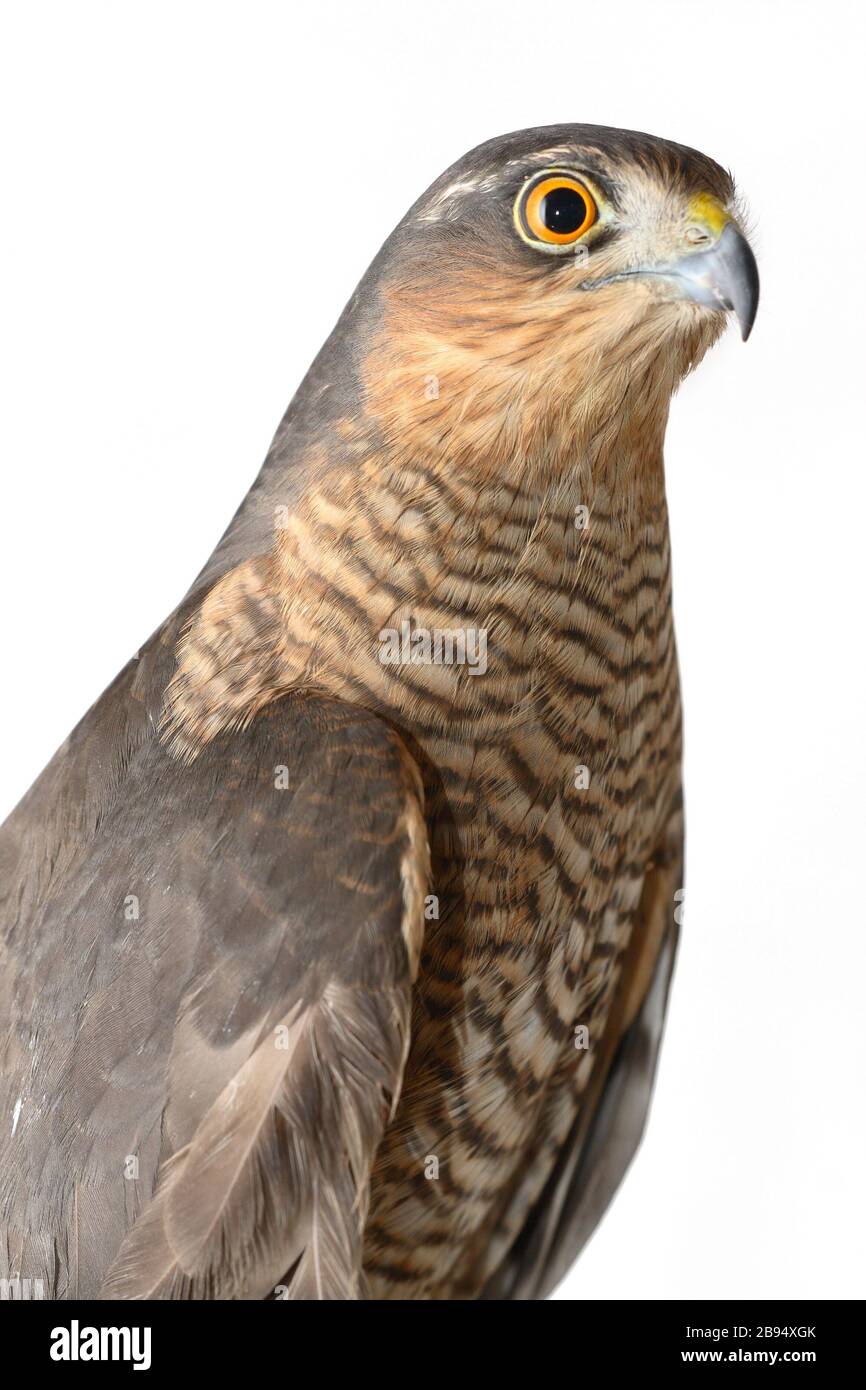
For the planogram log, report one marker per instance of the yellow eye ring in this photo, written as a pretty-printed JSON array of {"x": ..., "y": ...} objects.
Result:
[{"x": 554, "y": 209}]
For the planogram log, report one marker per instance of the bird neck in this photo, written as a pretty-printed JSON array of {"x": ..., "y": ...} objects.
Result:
[
  {"x": 404, "y": 547},
  {"x": 519, "y": 390}
]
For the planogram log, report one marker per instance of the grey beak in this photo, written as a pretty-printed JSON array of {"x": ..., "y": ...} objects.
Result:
[{"x": 726, "y": 276}]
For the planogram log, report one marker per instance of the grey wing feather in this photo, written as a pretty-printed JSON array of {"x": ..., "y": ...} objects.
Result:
[{"x": 205, "y": 980}]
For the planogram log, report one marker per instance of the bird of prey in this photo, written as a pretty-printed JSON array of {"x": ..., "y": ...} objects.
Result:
[{"x": 336, "y": 939}]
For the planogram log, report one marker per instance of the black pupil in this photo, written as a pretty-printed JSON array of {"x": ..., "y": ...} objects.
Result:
[{"x": 563, "y": 210}]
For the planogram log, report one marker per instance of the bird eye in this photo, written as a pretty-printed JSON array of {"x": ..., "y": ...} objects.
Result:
[{"x": 553, "y": 210}]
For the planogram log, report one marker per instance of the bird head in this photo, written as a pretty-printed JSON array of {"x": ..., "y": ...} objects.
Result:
[
  {"x": 509, "y": 356},
  {"x": 551, "y": 284}
]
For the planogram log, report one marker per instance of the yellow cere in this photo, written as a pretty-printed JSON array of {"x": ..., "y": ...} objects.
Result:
[{"x": 708, "y": 212}]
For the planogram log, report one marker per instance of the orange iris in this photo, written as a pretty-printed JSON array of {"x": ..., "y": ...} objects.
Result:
[{"x": 555, "y": 208}]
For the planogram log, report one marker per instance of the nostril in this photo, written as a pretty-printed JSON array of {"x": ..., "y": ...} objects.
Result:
[{"x": 698, "y": 236}]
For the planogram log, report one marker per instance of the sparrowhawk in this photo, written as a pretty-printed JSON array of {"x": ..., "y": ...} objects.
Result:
[{"x": 336, "y": 939}]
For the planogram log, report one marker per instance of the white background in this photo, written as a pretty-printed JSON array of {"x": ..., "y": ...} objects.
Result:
[{"x": 166, "y": 279}]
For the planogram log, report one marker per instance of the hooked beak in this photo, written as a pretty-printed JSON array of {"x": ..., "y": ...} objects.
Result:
[{"x": 724, "y": 277}]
